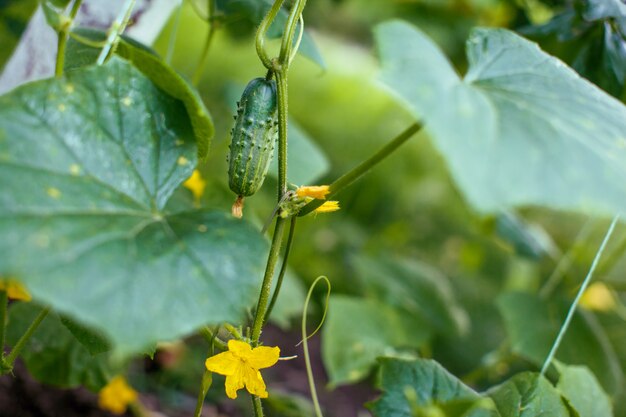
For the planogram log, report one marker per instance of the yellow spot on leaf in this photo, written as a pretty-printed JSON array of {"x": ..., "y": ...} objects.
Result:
[
  {"x": 74, "y": 169},
  {"x": 202, "y": 228},
  {"x": 240, "y": 364},
  {"x": 196, "y": 184},
  {"x": 69, "y": 88},
  {"x": 53, "y": 192},
  {"x": 598, "y": 297},
  {"x": 116, "y": 395},
  {"x": 179, "y": 142},
  {"x": 15, "y": 290},
  {"x": 328, "y": 207},
  {"x": 127, "y": 101},
  {"x": 182, "y": 161},
  {"x": 61, "y": 107}
]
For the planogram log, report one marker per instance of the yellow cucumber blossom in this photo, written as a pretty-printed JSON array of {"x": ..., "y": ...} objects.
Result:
[
  {"x": 314, "y": 191},
  {"x": 240, "y": 364},
  {"x": 328, "y": 207},
  {"x": 15, "y": 290},
  {"x": 116, "y": 395},
  {"x": 196, "y": 184}
]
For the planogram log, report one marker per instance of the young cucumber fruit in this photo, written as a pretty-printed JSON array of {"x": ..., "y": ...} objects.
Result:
[{"x": 253, "y": 139}]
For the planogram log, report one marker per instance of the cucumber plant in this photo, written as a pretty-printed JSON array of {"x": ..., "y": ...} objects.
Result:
[{"x": 104, "y": 254}]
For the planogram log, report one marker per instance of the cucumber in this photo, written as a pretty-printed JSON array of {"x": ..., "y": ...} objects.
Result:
[{"x": 253, "y": 139}]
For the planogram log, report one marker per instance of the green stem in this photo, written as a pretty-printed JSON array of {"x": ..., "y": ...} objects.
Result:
[
  {"x": 207, "y": 377},
  {"x": 207, "y": 45},
  {"x": 583, "y": 287},
  {"x": 266, "y": 287},
  {"x": 10, "y": 359},
  {"x": 281, "y": 84},
  {"x": 233, "y": 331},
  {"x": 257, "y": 406},
  {"x": 62, "y": 38},
  {"x": 354, "y": 174},
  {"x": 262, "y": 31},
  {"x": 212, "y": 338},
  {"x": 116, "y": 29},
  {"x": 4, "y": 302},
  {"x": 289, "y": 31},
  {"x": 283, "y": 268}
]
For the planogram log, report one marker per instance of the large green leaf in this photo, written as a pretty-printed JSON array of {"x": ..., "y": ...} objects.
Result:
[
  {"x": 532, "y": 325},
  {"x": 581, "y": 388},
  {"x": 357, "y": 331},
  {"x": 423, "y": 383},
  {"x": 528, "y": 395},
  {"x": 521, "y": 128},
  {"x": 87, "y": 165},
  {"x": 52, "y": 354},
  {"x": 79, "y": 54},
  {"x": 416, "y": 288}
]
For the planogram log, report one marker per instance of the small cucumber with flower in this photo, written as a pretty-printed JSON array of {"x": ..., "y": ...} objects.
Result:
[{"x": 254, "y": 137}]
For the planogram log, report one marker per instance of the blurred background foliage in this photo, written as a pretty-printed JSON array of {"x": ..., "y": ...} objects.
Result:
[{"x": 483, "y": 296}]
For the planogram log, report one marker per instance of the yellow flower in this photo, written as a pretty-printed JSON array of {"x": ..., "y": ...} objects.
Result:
[
  {"x": 241, "y": 364},
  {"x": 328, "y": 207},
  {"x": 15, "y": 290},
  {"x": 196, "y": 184},
  {"x": 598, "y": 297},
  {"x": 116, "y": 395},
  {"x": 313, "y": 191}
]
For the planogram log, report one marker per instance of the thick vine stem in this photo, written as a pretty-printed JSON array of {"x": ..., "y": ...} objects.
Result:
[
  {"x": 283, "y": 267},
  {"x": 62, "y": 38},
  {"x": 361, "y": 169},
  {"x": 262, "y": 31},
  {"x": 289, "y": 32},
  {"x": 266, "y": 287}
]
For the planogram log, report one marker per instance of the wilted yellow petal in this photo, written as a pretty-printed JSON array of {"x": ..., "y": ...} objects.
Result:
[
  {"x": 116, "y": 395},
  {"x": 196, "y": 184},
  {"x": 328, "y": 207},
  {"x": 598, "y": 297},
  {"x": 313, "y": 191}
]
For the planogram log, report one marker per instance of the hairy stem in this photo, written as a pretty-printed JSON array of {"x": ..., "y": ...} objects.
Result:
[
  {"x": 361, "y": 169},
  {"x": 10, "y": 359},
  {"x": 283, "y": 268},
  {"x": 117, "y": 28}
]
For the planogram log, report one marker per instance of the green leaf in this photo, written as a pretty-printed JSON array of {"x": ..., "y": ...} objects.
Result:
[
  {"x": 14, "y": 16},
  {"x": 416, "y": 288},
  {"x": 91, "y": 339},
  {"x": 52, "y": 354},
  {"x": 583, "y": 391},
  {"x": 79, "y": 55},
  {"x": 528, "y": 395},
  {"x": 410, "y": 385},
  {"x": 88, "y": 163},
  {"x": 520, "y": 129},
  {"x": 532, "y": 325},
  {"x": 527, "y": 239},
  {"x": 357, "y": 331}
]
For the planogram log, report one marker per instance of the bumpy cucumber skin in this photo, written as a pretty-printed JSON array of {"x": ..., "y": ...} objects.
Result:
[{"x": 253, "y": 137}]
